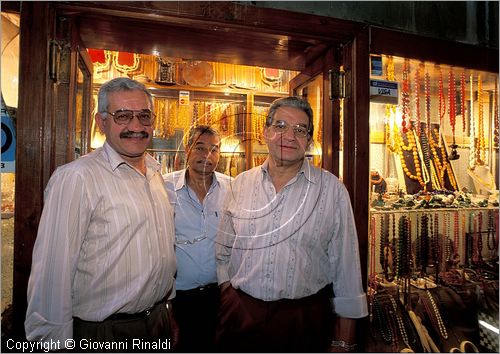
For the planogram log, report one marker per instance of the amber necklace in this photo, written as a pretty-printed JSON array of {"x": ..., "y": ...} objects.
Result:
[
  {"x": 442, "y": 100},
  {"x": 405, "y": 96},
  {"x": 417, "y": 100},
  {"x": 412, "y": 146}
]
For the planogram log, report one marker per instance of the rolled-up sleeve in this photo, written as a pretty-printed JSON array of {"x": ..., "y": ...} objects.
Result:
[{"x": 349, "y": 297}]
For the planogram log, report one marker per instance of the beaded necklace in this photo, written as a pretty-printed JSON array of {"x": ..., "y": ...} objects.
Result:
[
  {"x": 403, "y": 265},
  {"x": 390, "y": 109},
  {"x": 405, "y": 92},
  {"x": 427, "y": 93},
  {"x": 400, "y": 322},
  {"x": 417, "y": 100},
  {"x": 384, "y": 242},
  {"x": 373, "y": 273},
  {"x": 481, "y": 148},
  {"x": 495, "y": 115},
  {"x": 442, "y": 100},
  {"x": 435, "y": 316},
  {"x": 472, "y": 142},
  {"x": 452, "y": 114},
  {"x": 422, "y": 251},
  {"x": 382, "y": 321},
  {"x": 412, "y": 146},
  {"x": 462, "y": 99},
  {"x": 492, "y": 244},
  {"x": 456, "y": 217}
]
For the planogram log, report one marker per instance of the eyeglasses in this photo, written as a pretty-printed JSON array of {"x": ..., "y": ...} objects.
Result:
[
  {"x": 280, "y": 126},
  {"x": 124, "y": 116}
]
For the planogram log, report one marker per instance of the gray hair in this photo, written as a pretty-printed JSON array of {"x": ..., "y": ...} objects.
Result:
[
  {"x": 202, "y": 129},
  {"x": 295, "y": 102},
  {"x": 119, "y": 84}
]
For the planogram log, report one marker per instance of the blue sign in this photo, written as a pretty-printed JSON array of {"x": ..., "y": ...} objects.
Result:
[{"x": 8, "y": 161}]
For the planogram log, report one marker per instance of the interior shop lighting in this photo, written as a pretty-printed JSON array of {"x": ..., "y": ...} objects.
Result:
[{"x": 488, "y": 326}]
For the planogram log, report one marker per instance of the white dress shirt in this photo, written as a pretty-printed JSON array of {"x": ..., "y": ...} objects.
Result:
[
  {"x": 195, "y": 228},
  {"x": 291, "y": 244},
  {"x": 105, "y": 244}
]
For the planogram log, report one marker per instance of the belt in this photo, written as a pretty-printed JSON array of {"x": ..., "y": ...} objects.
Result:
[
  {"x": 202, "y": 288},
  {"x": 134, "y": 316}
]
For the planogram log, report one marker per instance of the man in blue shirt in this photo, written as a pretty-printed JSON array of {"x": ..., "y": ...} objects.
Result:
[{"x": 197, "y": 194}]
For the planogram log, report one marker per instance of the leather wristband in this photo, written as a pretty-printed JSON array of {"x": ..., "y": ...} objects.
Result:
[{"x": 343, "y": 344}]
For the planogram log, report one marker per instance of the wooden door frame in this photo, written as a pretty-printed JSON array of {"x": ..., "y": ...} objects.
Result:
[{"x": 42, "y": 124}]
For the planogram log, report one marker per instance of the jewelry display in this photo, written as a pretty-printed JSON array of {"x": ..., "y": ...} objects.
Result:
[{"x": 432, "y": 232}]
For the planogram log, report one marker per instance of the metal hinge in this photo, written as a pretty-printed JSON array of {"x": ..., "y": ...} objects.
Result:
[
  {"x": 340, "y": 83},
  {"x": 54, "y": 56}
]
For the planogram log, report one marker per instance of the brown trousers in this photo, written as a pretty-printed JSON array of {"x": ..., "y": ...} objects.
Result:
[
  {"x": 145, "y": 332},
  {"x": 247, "y": 324}
]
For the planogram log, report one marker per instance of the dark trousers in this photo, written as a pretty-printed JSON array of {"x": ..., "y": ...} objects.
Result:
[
  {"x": 196, "y": 314},
  {"x": 247, "y": 324},
  {"x": 148, "y": 331}
]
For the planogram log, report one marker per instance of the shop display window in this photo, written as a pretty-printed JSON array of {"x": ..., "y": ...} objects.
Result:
[
  {"x": 434, "y": 205},
  {"x": 233, "y": 98}
]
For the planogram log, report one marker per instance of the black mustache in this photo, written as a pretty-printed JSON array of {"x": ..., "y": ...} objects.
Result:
[{"x": 129, "y": 134}]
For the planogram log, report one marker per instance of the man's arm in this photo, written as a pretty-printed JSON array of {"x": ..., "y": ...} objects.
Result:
[{"x": 63, "y": 224}]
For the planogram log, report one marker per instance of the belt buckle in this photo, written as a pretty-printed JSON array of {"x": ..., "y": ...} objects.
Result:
[{"x": 147, "y": 312}]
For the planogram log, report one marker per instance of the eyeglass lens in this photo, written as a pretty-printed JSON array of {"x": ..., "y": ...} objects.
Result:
[
  {"x": 281, "y": 126},
  {"x": 125, "y": 116}
]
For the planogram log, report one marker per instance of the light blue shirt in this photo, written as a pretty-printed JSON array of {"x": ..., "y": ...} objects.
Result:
[{"x": 195, "y": 228}]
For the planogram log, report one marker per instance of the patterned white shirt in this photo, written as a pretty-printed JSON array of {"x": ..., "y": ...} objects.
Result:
[
  {"x": 105, "y": 244},
  {"x": 291, "y": 244}
]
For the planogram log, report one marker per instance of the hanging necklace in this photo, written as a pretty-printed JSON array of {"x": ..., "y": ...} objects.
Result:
[
  {"x": 462, "y": 100},
  {"x": 442, "y": 101},
  {"x": 472, "y": 142},
  {"x": 417, "y": 100},
  {"x": 481, "y": 148},
  {"x": 390, "y": 109},
  {"x": 373, "y": 273},
  {"x": 452, "y": 114},
  {"x": 435, "y": 316},
  {"x": 492, "y": 244},
  {"x": 405, "y": 96},
  {"x": 495, "y": 115},
  {"x": 401, "y": 325}
]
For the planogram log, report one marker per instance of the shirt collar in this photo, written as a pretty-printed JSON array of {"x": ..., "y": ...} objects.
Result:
[
  {"x": 115, "y": 160},
  {"x": 311, "y": 173},
  {"x": 182, "y": 182}
]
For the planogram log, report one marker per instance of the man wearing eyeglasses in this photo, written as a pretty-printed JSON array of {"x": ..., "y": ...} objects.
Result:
[
  {"x": 197, "y": 193},
  {"x": 103, "y": 262},
  {"x": 287, "y": 249}
]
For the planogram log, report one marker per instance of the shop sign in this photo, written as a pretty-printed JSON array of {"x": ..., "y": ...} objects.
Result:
[
  {"x": 382, "y": 91},
  {"x": 184, "y": 98},
  {"x": 8, "y": 143}
]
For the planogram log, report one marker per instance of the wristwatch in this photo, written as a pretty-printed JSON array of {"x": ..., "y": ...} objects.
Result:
[{"x": 343, "y": 344}]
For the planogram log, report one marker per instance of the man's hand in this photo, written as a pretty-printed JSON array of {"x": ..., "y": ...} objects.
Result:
[{"x": 224, "y": 286}]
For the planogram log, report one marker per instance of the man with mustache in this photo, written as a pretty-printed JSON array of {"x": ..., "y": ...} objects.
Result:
[
  {"x": 103, "y": 261},
  {"x": 287, "y": 249},
  {"x": 197, "y": 193}
]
